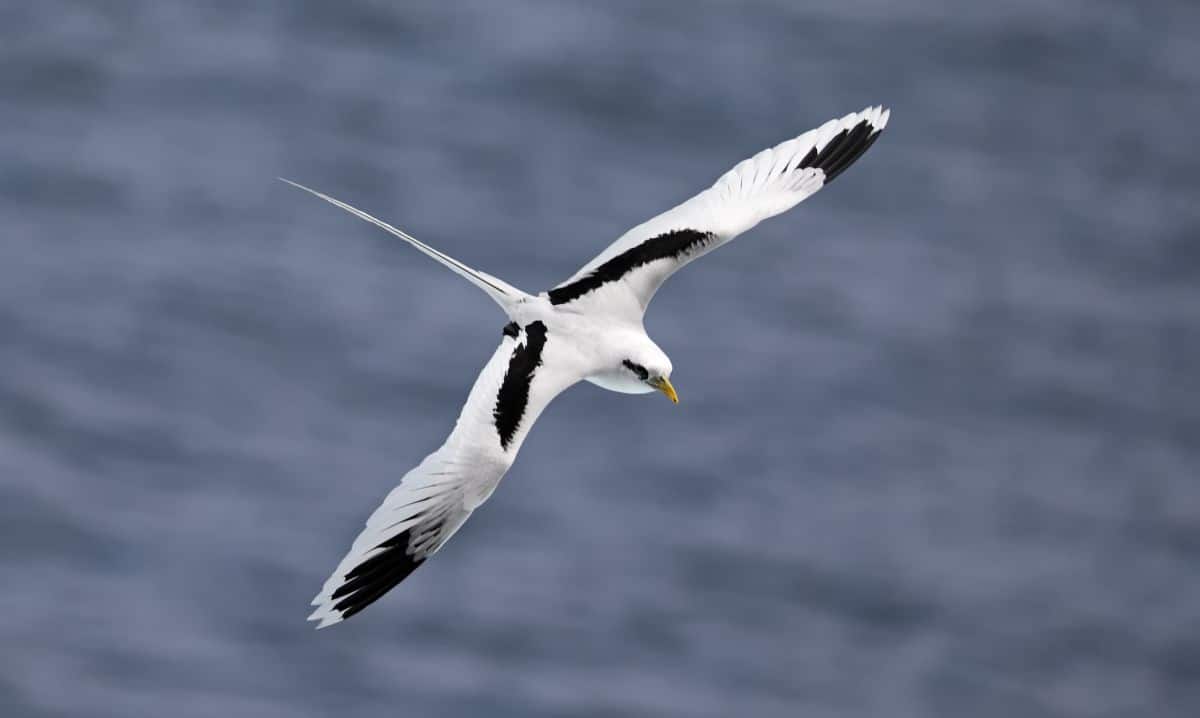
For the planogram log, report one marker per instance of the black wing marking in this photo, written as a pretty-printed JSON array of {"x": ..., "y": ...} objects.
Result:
[
  {"x": 513, "y": 396},
  {"x": 669, "y": 245}
]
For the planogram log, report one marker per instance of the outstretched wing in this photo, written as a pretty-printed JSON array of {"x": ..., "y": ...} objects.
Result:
[
  {"x": 434, "y": 499},
  {"x": 624, "y": 277}
]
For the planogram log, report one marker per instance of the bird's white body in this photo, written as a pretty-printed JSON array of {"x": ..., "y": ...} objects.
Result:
[
  {"x": 596, "y": 345},
  {"x": 588, "y": 328}
]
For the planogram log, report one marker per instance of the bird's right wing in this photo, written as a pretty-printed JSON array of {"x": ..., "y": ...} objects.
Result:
[
  {"x": 623, "y": 278},
  {"x": 434, "y": 499}
]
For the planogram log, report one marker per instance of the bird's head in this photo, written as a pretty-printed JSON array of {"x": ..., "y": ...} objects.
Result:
[
  {"x": 657, "y": 379},
  {"x": 647, "y": 368},
  {"x": 633, "y": 364}
]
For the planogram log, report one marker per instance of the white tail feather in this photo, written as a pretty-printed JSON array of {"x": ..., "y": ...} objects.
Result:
[{"x": 500, "y": 291}]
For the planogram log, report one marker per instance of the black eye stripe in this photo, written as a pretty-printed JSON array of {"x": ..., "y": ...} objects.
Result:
[{"x": 637, "y": 369}]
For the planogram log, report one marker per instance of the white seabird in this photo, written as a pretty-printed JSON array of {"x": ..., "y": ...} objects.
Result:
[{"x": 587, "y": 328}]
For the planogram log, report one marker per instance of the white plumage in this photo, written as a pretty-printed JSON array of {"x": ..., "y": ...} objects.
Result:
[{"x": 587, "y": 328}]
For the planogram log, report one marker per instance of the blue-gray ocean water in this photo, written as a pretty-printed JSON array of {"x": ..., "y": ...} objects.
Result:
[{"x": 939, "y": 447}]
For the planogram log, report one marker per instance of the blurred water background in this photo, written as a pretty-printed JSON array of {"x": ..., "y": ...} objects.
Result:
[{"x": 939, "y": 443}]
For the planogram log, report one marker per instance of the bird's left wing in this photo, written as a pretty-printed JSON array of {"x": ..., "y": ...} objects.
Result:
[
  {"x": 623, "y": 278},
  {"x": 433, "y": 500}
]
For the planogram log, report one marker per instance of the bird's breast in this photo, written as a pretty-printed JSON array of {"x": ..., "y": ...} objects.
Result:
[{"x": 618, "y": 381}]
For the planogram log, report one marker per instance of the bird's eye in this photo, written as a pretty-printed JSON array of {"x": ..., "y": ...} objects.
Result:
[{"x": 638, "y": 369}]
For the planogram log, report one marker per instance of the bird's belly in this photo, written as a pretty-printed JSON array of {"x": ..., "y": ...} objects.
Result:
[{"x": 619, "y": 382}]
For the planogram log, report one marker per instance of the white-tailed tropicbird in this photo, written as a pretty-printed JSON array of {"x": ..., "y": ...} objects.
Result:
[{"x": 590, "y": 328}]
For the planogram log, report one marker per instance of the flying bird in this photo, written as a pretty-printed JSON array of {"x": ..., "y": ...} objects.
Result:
[{"x": 586, "y": 328}]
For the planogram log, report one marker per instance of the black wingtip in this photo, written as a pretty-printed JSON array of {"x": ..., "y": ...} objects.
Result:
[
  {"x": 843, "y": 149},
  {"x": 370, "y": 580}
]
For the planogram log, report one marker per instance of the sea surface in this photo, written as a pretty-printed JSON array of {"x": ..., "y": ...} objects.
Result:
[{"x": 938, "y": 451}]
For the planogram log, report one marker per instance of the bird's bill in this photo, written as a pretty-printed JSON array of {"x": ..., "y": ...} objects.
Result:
[{"x": 663, "y": 384}]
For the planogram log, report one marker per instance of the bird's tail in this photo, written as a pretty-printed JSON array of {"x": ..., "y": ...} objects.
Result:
[{"x": 503, "y": 293}]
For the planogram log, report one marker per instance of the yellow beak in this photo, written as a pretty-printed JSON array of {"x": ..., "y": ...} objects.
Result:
[{"x": 664, "y": 385}]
